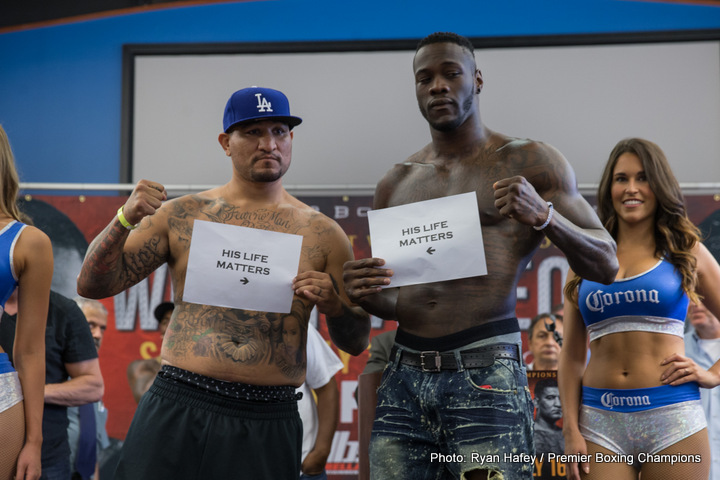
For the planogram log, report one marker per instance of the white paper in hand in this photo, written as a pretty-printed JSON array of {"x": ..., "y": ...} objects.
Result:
[
  {"x": 429, "y": 241},
  {"x": 241, "y": 267}
]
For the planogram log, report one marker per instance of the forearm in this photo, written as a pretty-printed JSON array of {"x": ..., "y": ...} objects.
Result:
[
  {"x": 381, "y": 304},
  {"x": 102, "y": 274},
  {"x": 76, "y": 391},
  {"x": 350, "y": 330},
  {"x": 31, "y": 371},
  {"x": 570, "y": 386},
  {"x": 328, "y": 403},
  {"x": 591, "y": 253}
]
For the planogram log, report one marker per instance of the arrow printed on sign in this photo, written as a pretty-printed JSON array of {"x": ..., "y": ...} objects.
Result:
[
  {"x": 244, "y": 281},
  {"x": 430, "y": 250}
]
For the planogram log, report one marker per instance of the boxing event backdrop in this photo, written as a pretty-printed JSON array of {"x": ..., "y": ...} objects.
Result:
[
  {"x": 132, "y": 329},
  {"x": 546, "y": 465}
]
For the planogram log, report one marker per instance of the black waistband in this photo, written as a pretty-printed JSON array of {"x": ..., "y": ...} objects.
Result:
[
  {"x": 241, "y": 391},
  {"x": 434, "y": 361},
  {"x": 458, "y": 339}
]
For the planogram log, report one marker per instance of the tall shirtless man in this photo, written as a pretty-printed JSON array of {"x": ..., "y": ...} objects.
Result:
[
  {"x": 224, "y": 401},
  {"x": 455, "y": 385}
]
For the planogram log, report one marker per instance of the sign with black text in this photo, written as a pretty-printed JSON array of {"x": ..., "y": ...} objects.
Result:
[
  {"x": 240, "y": 267},
  {"x": 429, "y": 241}
]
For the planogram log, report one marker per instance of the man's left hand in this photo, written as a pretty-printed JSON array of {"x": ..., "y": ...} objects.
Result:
[
  {"x": 319, "y": 288},
  {"x": 516, "y": 198}
]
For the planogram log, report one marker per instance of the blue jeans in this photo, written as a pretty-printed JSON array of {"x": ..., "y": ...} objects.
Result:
[{"x": 439, "y": 425}]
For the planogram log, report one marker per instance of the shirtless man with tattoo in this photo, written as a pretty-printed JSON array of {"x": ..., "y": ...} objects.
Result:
[
  {"x": 224, "y": 401},
  {"x": 455, "y": 389}
]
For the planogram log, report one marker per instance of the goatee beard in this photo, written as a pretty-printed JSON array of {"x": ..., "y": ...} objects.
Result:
[{"x": 450, "y": 125}]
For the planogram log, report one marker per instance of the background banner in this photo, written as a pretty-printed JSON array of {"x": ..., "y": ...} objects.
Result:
[{"x": 132, "y": 329}]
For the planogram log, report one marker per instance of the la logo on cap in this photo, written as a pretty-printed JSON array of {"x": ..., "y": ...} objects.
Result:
[{"x": 263, "y": 105}]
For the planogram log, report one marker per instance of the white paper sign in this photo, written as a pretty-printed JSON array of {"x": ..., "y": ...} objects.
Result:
[
  {"x": 430, "y": 241},
  {"x": 241, "y": 267}
]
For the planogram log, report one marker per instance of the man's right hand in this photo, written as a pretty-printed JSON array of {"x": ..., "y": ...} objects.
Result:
[
  {"x": 364, "y": 277},
  {"x": 144, "y": 200}
]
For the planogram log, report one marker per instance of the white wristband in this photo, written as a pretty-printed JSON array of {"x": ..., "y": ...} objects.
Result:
[{"x": 549, "y": 217}]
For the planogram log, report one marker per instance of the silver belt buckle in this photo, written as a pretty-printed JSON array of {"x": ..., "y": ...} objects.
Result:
[{"x": 432, "y": 355}]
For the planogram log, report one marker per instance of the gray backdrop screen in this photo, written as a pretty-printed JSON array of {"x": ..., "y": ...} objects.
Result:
[{"x": 361, "y": 117}]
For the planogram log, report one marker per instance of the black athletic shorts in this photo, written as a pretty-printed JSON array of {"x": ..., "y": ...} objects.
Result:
[{"x": 182, "y": 431}]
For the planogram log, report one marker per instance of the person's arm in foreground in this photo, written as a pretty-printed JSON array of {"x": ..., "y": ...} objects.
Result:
[
  {"x": 119, "y": 258},
  {"x": 682, "y": 369},
  {"x": 84, "y": 386},
  {"x": 570, "y": 371},
  {"x": 34, "y": 253},
  {"x": 328, "y": 408},
  {"x": 574, "y": 227},
  {"x": 364, "y": 279},
  {"x": 349, "y": 326}
]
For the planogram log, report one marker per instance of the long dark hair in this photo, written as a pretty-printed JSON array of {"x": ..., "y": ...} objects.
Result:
[{"x": 675, "y": 234}]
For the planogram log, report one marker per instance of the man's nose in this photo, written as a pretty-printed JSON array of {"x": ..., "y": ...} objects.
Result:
[
  {"x": 438, "y": 85},
  {"x": 267, "y": 143}
]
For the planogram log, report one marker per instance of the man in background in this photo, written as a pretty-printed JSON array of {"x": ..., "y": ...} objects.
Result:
[
  {"x": 72, "y": 375},
  {"x": 319, "y": 406},
  {"x": 543, "y": 341},
  {"x": 702, "y": 344},
  {"x": 380, "y": 348},
  {"x": 86, "y": 432}
]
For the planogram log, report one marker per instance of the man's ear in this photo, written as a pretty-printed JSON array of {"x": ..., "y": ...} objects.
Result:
[
  {"x": 478, "y": 80},
  {"x": 224, "y": 140}
]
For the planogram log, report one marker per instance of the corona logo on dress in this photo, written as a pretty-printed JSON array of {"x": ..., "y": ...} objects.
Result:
[
  {"x": 610, "y": 400},
  {"x": 263, "y": 105},
  {"x": 597, "y": 300}
]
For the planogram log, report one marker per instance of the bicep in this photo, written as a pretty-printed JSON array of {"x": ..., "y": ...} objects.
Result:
[
  {"x": 328, "y": 392},
  {"x": 558, "y": 185},
  {"x": 34, "y": 264},
  {"x": 86, "y": 368}
]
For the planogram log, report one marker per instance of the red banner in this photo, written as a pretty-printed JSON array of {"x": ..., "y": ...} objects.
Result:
[{"x": 132, "y": 329}]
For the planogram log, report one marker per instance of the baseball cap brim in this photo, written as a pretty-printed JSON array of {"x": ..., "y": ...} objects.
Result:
[{"x": 291, "y": 121}]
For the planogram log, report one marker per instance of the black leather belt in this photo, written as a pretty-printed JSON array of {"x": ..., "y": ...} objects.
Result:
[{"x": 434, "y": 361}]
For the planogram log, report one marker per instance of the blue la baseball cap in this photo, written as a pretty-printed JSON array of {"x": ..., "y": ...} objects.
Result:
[{"x": 257, "y": 103}]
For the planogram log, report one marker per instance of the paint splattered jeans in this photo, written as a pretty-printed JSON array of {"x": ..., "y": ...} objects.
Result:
[{"x": 440, "y": 425}]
